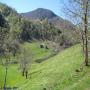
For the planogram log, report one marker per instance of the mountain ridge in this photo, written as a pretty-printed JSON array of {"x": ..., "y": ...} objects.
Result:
[{"x": 42, "y": 13}]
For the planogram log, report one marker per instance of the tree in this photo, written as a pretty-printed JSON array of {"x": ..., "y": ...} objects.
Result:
[
  {"x": 80, "y": 10},
  {"x": 25, "y": 61},
  {"x": 6, "y": 55},
  {"x": 7, "y": 61}
]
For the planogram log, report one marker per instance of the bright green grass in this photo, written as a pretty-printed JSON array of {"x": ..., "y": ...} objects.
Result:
[
  {"x": 57, "y": 73},
  {"x": 34, "y": 50}
]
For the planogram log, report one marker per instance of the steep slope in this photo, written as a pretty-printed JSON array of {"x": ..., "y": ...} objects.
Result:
[
  {"x": 58, "y": 73},
  {"x": 42, "y": 13},
  {"x": 25, "y": 29},
  {"x": 67, "y": 28}
]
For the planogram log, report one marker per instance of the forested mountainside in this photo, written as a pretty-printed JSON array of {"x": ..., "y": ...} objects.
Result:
[
  {"x": 22, "y": 29},
  {"x": 42, "y": 13}
]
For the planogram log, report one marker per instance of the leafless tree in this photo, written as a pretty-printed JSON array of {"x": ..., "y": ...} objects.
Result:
[
  {"x": 25, "y": 61},
  {"x": 7, "y": 55},
  {"x": 7, "y": 60},
  {"x": 80, "y": 10}
]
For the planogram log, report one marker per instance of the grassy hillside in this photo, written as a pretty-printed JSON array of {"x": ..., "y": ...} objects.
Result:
[
  {"x": 57, "y": 73},
  {"x": 35, "y": 50}
]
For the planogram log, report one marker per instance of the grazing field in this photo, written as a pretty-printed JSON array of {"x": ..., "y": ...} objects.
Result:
[{"x": 56, "y": 73}]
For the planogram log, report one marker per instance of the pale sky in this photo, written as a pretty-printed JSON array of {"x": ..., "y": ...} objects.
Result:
[{"x": 28, "y": 5}]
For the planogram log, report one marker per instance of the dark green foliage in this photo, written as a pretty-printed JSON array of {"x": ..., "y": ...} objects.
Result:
[
  {"x": 2, "y": 21},
  {"x": 8, "y": 34},
  {"x": 4, "y": 29},
  {"x": 39, "y": 30},
  {"x": 6, "y": 10}
]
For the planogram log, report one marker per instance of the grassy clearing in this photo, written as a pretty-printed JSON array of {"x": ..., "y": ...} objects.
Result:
[
  {"x": 35, "y": 50},
  {"x": 57, "y": 73}
]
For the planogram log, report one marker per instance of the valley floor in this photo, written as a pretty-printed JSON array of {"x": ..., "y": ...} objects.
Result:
[{"x": 56, "y": 73}]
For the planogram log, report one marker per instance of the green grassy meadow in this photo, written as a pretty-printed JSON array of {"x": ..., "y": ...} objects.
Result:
[{"x": 56, "y": 73}]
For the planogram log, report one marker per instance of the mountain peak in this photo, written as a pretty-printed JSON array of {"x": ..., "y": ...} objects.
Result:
[{"x": 40, "y": 13}]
